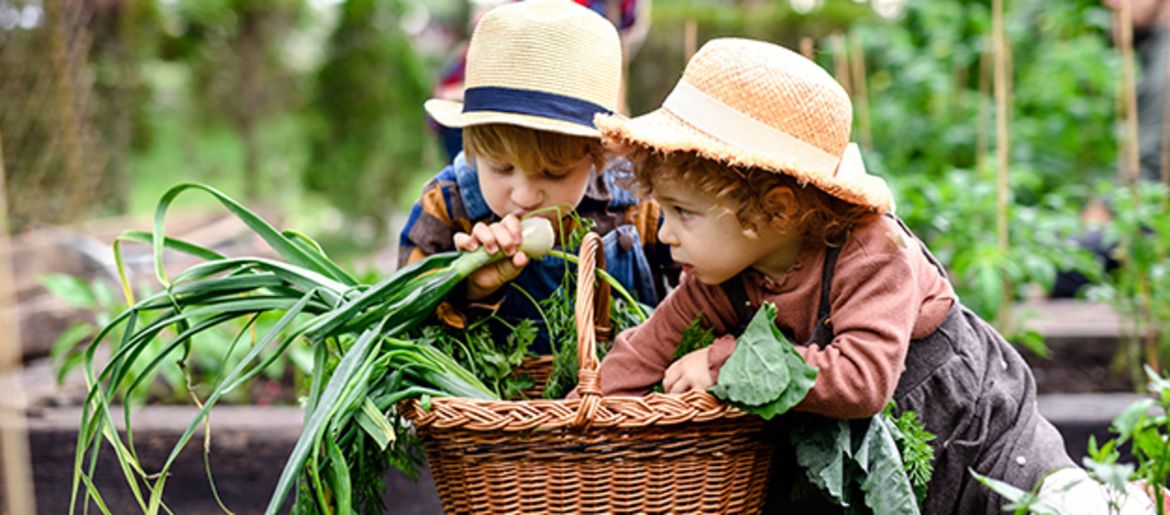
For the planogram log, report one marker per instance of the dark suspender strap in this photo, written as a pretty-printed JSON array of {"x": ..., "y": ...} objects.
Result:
[
  {"x": 925, "y": 251},
  {"x": 826, "y": 282},
  {"x": 822, "y": 334},
  {"x": 737, "y": 294}
]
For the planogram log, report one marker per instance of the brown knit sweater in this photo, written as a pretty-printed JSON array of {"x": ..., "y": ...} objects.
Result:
[{"x": 884, "y": 293}]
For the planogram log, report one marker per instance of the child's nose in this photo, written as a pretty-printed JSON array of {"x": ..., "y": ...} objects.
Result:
[
  {"x": 666, "y": 234},
  {"x": 527, "y": 195}
]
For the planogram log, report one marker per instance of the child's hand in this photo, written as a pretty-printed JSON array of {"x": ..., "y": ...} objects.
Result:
[
  {"x": 502, "y": 236},
  {"x": 688, "y": 373}
]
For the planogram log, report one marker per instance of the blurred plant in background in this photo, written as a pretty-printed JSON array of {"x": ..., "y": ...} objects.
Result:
[
  {"x": 932, "y": 122},
  {"x": 1140, "y": 290},
  {"x": 206, "y": 358},
  {"x": 367, "y": 138},
  {"x": 315, "y": 106},
  {"x": 72, "y": 100},
  {"x": 239, "y": 68}
]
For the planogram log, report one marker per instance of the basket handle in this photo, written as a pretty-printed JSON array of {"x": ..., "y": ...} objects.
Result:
[{"x": 588, "y": 379}]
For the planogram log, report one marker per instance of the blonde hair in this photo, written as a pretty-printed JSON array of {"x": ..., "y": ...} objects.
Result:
[
  {"x": 758, "y": 197},
  {"x": 534, "y": 151}
]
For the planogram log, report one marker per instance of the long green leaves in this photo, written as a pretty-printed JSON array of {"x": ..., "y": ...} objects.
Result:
[
  {"x": 288, "y": 249},
  {"x": 349, "y": 435}
]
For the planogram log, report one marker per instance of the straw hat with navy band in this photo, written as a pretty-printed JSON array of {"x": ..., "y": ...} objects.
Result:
[
  {"x": 754, "y": 104},
  {"x": 549, "y": 65}
]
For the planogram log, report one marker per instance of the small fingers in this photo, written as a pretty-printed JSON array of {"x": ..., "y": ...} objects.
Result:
[
  {"x": 464, "y": 241},
  {"x": 682, "y": 385},
  {"x": 670, "y": 377},
  {"x": 520, "y": 260},
  {"x": 508, "y": 269},
  {"x": 513, "y": 225},
  {"x": 485, "y": 236},
  {"x": 504, "y": 238}
]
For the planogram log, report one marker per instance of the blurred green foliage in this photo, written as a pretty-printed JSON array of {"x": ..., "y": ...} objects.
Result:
[
  {"x": 368, "y": 132},
  {"x": 932, "y": 118},
  {"x": 1140, "y": 290},
  {"x": 226, "y": 92},
  {"x": 660, "y": 60},
  {"x": 239, "y": 70}
]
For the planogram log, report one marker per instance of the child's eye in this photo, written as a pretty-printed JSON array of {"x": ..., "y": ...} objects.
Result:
[
  {"x": 554, "y": 175},
  {"x": 684, "y": 212},
  {"x": 503, "y": 170}
]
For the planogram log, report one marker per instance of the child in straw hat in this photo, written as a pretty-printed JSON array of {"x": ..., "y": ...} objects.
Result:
[
  {"x": 537, "y": 73},
  {"x": 765, "y": 199}
]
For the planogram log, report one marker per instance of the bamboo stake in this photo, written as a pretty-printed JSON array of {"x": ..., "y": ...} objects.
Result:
[
  {"x": 58, "y": 18},
  {"x": 1164, "y": 164},
  {"x": 981, "y": 130},
  {"x": 1129, "y": 89},
  {"x": 690, "y": 39},
  {"x": 18, "y": 485},
  {"x": 1001, "y": 146},
  {"x": 1131, "y": 170},
  {"x": 806, "y": 48},
  {"x": 841, "y": 62},
  {"x": 857, "y": 59},
  {"x": 1119, "y": 104}
]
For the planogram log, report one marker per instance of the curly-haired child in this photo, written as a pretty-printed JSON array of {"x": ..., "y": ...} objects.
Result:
[{"x": 765, "y": 199}]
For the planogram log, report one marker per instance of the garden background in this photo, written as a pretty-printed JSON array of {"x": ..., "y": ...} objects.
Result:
[{"x": 310, "y": 112}]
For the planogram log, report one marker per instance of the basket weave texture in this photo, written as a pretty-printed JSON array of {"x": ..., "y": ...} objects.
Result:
[{"x": 661, "y": 453}]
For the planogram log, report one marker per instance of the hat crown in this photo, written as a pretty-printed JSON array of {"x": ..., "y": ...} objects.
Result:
[
  {"x": 777, "y": 87},
  {"x": 551, "y": 46}
]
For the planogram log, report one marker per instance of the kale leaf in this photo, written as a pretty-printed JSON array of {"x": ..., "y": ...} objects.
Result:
[{"x": 765, "y": 375}]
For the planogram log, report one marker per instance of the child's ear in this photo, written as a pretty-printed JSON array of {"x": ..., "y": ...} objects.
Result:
[{"x": 780, "y": 204}]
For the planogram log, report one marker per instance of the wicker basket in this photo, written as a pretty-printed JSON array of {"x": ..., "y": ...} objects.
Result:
[{"x": 661, "y": 453}]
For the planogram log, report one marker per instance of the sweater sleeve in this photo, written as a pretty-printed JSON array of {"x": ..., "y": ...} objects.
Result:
[
  {"x": 430, "y": 229},
  {"x": 641, "y": 354},
  {"x": 874, "y": 306}
]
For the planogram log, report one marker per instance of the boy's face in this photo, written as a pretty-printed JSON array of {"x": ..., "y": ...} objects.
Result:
[
  {"x": 510, "y": 190},
  {"x": 709, "y": 242}
]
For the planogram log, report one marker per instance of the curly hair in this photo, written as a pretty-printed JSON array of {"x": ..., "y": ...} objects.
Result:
[
  {"x": 758, "y": 197},
  {"x": 531, "y": 150}
]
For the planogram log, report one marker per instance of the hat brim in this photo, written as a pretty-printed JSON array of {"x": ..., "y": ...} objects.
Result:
[
  {"x": 450, "y": 113},
  {"x": 663, "y": 131}
]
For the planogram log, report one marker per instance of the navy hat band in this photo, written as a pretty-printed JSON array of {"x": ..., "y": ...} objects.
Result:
[{"x": 534, "y": 103}]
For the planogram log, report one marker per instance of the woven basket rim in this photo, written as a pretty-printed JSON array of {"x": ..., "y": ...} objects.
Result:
[
  {"x": 591, "y": 409},
  {"x": 656, "y": 409}
]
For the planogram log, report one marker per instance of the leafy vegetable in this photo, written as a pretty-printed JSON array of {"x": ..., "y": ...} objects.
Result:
[
  {"x": 477, "y": 349},
  {"x": 848, "y": 461},
  {"x": 694, "y": 337},
  {"x": 558, "y": 311},
  {"x": 764, "y": 375},
  {"x": 914, "y": 445},
  {"x": 825, "y": 450},
  {"x": 886, "y": 485},
  {"x": 362, "y": 368},
  {"x": 1021, "y": 501}
]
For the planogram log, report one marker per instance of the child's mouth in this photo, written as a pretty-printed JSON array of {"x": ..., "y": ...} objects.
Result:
[{"x": 687, "y": 268}]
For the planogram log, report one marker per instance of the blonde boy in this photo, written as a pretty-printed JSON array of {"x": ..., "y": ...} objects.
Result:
[{"x": 537, "y": 73}]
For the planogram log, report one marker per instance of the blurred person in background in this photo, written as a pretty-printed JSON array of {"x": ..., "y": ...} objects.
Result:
[
  {"x": 1151, "y": 42},
  {"x": 630, "y": 17}
]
